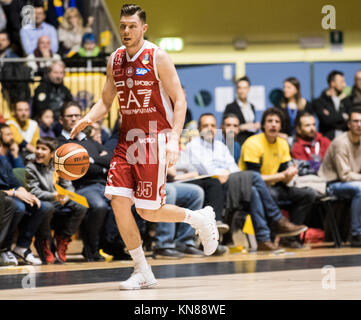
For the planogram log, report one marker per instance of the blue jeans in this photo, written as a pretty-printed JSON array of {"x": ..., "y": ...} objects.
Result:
[
  {"x": 262, "y": 208},
  {"x": 350, "y": 190},
  {"x": 179, "y": 235}
]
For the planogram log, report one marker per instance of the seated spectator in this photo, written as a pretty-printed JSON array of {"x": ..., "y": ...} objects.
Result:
[
  {"x": 292, "y": 103},
  {"x": 25, "y": 130},
  {"x": 7, "y": 209},
  {"x": 14, "y": 77},
  {"x": 43, "y": 50},
  {"x": 29, "y": 34},
  {"x": 354, "y": 99},
  {"x": 342, "y": 167},
  {"x": 230, "y": 130},
  {"x": 67, "y": 213},
  {"x": 71, "y": 31},
  {"x": 52, "y": 94},
  {"x": 89, "y": 54},
  {"x": 244, "y": 110},
  {"x": 5, "y": 46},
  {"x": 269, "y": 155},
  {"x": 310, "y": 146},
  {"x": 331, "y": 113},
  {"x": 28, "y": 216},
  {"x": 177, "y": 240},
  {"x": 212, "y": 157},
  {"x": 92, "y": 184},
  {"x": 46, "y": 122},
  {"x": 9, "y": 148}
]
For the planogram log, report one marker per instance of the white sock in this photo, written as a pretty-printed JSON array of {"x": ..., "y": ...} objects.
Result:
[
  {"x": 138, "y": 257},
  {"x": 193, "y": 217}
]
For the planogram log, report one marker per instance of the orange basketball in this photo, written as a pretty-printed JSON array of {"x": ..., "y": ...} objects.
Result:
[{"x": 71, "y": 161}]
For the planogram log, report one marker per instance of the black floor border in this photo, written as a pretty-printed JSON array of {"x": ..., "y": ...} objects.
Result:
[{"x": 42, "y": 279}]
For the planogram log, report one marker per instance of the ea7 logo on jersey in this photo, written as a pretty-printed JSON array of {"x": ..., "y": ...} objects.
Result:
[{"x": 141, "y": 71}]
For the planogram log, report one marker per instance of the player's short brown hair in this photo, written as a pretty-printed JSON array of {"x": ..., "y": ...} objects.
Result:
[{"x": 132, "y": 9}]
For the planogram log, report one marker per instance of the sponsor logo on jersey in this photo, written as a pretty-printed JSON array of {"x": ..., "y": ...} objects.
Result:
[
  {"x": 141, "y": 71},
  {"x": 143, "y": 83},
  {"x": 146, "y": 59},
  {"x": 130, "y": 71},
  {"x": 130, "y": 83}
]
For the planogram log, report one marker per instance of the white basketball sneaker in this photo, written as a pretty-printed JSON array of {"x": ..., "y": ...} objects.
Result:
[
  {"x": 139, "y": 279},
  {"x": 207, "y": 231}
]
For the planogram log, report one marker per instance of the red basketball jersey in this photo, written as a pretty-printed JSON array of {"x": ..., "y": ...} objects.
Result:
[{"x": 143, "y": 101}]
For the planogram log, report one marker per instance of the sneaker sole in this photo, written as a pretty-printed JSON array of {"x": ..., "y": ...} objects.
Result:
[
  {"x": 148, "y": 286},
  {"x": 167, "y": 257},
  {"x": 290, "y": 234},
  {"x": 211, "y": 249},
  {"x": 222, "y": 230}
]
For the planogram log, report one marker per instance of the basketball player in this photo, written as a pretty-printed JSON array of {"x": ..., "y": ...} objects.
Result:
[{"x": 153, "y": 107}]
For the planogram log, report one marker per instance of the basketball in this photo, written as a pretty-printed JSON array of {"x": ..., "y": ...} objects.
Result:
[{"x": 71, "y": 161}]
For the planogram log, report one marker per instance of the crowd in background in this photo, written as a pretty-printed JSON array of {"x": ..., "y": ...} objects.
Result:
[{"x": 277, "y": 170}]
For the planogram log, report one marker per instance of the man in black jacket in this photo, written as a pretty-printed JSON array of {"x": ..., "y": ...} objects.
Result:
[
  {"x": 92, "y": 184},
  {"x": 244, "y": 110},
  {"x": 331, "y": 113},
  {"x": 354, "y": 99},
  {"x": 51, "y": 93}
]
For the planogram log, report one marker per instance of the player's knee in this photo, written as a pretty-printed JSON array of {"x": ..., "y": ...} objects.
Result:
[{"x": 149, "y": 215}]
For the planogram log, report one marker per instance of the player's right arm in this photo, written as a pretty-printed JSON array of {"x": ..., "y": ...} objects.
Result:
[{"x": 102, "y": 107}]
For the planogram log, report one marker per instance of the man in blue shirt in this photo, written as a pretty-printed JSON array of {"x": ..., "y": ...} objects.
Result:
[
  {"x": 29, "y": 34},
  {"x": 230, "y": 130}
]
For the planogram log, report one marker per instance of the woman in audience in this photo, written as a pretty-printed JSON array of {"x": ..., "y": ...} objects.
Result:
[
  {"x": 291, "y": 104},
  {"x": 71, "y": 31},
  {"x": 46, "y": 121}
]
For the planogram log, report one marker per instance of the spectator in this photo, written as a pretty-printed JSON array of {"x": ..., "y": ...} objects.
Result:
[
  {"x": 5, "y": 48},
  {"x": 67, "y": 213},
  {"x": 29, "y": 34},
  {"x": 269, "y": 155},
  {"x": 71, "y": 31},
  {"x": 330, "y": 111},
  {"x": 25, "y": 130},
  {"x": 230, "y": 130},
  {"x": 342, "y": 167},
  {"x": 14, "y": 76},
  {"x": 45, "y": 122},
  {"x": 9, "y": 148},
  {"x": 292, "y": 103},
  {"x": 52, "y": 94},
  {"x": 89, "y": 55},
  {"x": 310, "y": 146},
  {"x": 12, "y": 11},
  {"x": 43, "y": 50},
  {"x": 176, "y": 240},
  {"x": 28, "y": 216},
  {"x": 244, "y": 110},
  {"x": 211, "y": 157},
  {"x": 92, "y": 185},
  {"x": 7, "y": 209},
  {"x": 354, "y": 99}
]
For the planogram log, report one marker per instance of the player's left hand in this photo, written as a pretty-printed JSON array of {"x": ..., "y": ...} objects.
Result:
[{"x": 172, "y": 151}]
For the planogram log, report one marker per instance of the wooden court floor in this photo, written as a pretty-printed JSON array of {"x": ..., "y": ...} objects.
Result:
[{"x": 318, "y": 273}]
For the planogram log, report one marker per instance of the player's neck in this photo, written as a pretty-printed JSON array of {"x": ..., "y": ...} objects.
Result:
[{"x": 132, "y": 51}]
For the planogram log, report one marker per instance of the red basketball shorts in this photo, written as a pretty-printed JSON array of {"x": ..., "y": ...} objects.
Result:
[{"x": 138, "y": 171}]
